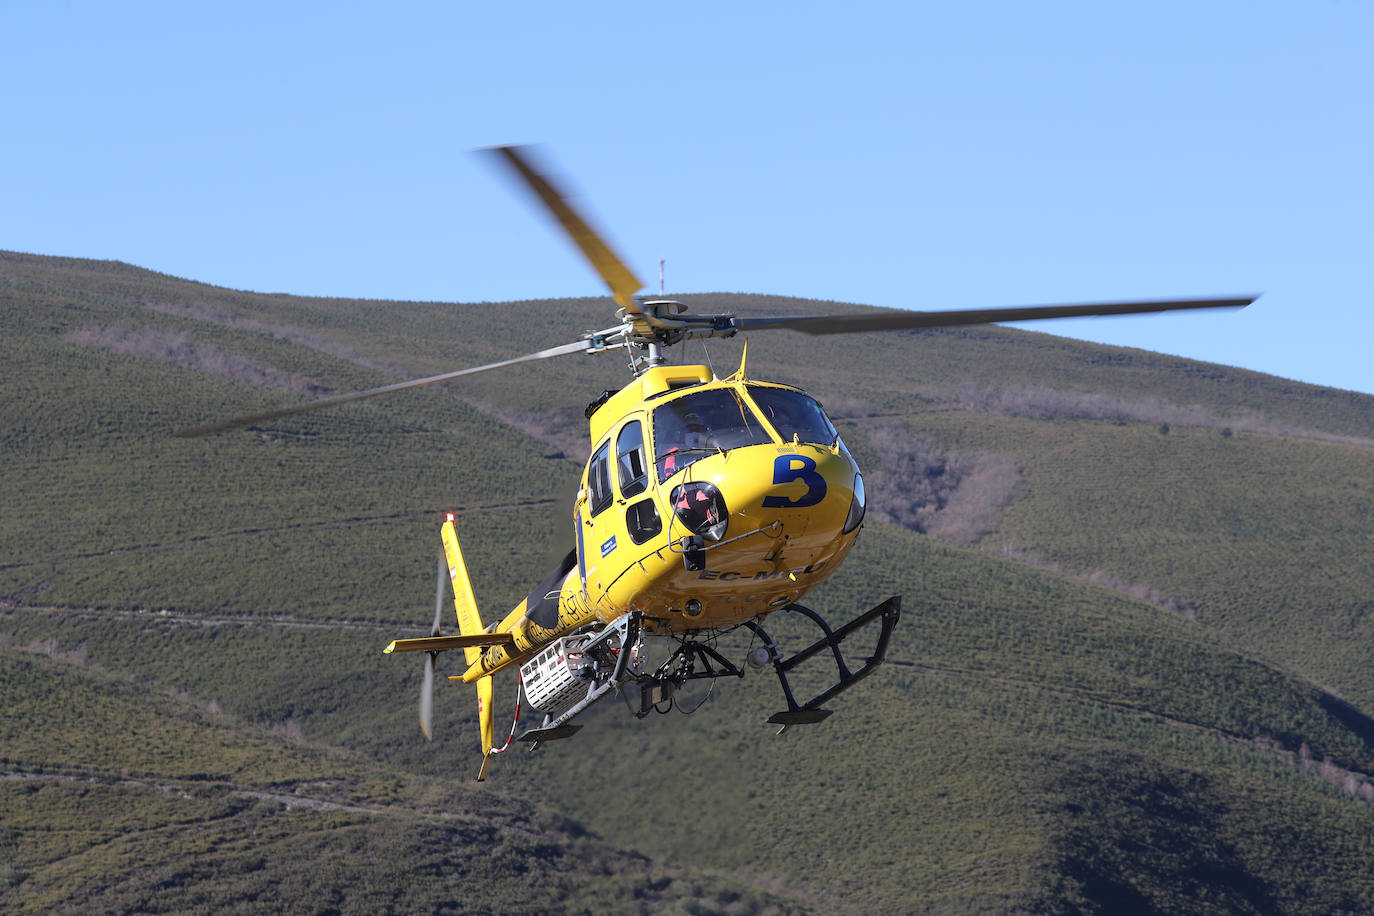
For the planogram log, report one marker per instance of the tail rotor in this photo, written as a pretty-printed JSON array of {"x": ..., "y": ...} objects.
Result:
[
  {"x": 472, "y": 638},
  {"x": 427, "y": 689}
]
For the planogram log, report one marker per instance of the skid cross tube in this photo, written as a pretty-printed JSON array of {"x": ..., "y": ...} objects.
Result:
[
  {"x": 680, "y": 668},
  {"x": 689, "y": 653},
  {"x": 809, "y": 712}
]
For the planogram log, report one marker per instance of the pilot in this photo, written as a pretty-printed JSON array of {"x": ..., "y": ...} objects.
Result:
[
  {"x": 697, "y": 435},
  {"x": 670, "y": 461},
  {"x": 693, "y": 434},
  {"x": 781, "y": 419}
]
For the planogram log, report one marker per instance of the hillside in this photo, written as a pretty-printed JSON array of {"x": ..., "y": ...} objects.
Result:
[
  {"x": 1132, "y": 668},
  {"x": 127, "y": 799}
]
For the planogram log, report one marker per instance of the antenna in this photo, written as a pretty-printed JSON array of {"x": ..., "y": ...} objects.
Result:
[{"x": 660, "y": 277}]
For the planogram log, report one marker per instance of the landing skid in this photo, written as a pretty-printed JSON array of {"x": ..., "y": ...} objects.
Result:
[
  {"x": 810, "y": 712},
  {"x": 696, "y": 660},
  {"x": 611, "y": 652}
]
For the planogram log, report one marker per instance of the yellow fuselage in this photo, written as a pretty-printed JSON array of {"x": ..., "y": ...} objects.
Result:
[{"x": 679, "y": 454}]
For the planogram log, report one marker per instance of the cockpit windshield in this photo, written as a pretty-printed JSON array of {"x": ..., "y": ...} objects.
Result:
[
  {"x": 794, "y": 415},
  {"x": 697, "y": 425}
]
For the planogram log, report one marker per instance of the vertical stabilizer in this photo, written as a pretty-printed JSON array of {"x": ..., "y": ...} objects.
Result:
[
  {"x": 469, "y": 620},
  {"x": 469, "y": 624},
  {"x": 484, "y": 716}
]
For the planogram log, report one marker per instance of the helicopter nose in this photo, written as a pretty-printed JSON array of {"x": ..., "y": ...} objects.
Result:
[
  {"x": 809, "y": 490},
  {"x": 803, "y": 480},
  {"x": 803, "y": 491}
]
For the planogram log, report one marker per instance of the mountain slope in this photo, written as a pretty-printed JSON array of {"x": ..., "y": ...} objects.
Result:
[
  {"x": 126, "y": 799},
  {"x": 1038, "y": 742}
]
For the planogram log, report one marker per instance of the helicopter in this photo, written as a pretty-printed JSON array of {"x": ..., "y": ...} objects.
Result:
[{"x": 706, "y": 504}]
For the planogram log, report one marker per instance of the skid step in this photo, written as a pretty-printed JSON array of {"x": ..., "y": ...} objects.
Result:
[
  {"x": 539, "y": 735},
  {"x": 799, "y": 717}
]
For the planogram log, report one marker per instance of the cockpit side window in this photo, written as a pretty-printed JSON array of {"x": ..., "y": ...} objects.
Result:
[
  {"x": 632, "y": 470},
  {"x": 794, "y": 415},
  {"x": 599, "y": 479},
  {"x": 691, "y": 427}
]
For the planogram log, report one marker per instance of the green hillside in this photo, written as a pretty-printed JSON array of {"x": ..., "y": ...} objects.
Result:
[
  {"x": 118, "y": 798},
  {"x": 190, "y": 629}
]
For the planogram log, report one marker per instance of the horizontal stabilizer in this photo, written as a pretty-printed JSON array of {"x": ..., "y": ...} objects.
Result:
[{"x": 443, "y": 643}]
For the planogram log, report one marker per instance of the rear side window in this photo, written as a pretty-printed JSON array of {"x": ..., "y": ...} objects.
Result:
[
  {"x": 634, "y": 478},
  {"x": 599, "y": 479}
]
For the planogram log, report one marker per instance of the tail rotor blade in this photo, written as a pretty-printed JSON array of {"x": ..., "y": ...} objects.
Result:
[
  {"x": 427, "y": 698},
  {"x": 438, "y": 597},
  {"x": 427, "y": 689}
]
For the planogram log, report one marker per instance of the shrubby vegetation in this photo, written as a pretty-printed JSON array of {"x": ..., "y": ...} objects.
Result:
[
  {"x": 1048, "y": 404},
  {"x": 927, "y": 489},
  {"x": 128, "y": 801},
  {"x": 179, "y": 349}
]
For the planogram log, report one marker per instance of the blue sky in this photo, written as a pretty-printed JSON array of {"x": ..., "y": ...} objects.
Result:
[{"x": 894, "y": 154}]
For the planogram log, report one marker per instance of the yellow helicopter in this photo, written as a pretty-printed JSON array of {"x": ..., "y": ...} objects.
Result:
[{"x": 707, "y": 503}]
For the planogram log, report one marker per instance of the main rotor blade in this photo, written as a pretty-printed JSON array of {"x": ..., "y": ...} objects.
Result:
[
  {"x": 622, "y": 281},
  {"x": 898, "y": 321},
  {"x": 563, "y": 350}
]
